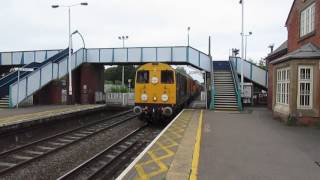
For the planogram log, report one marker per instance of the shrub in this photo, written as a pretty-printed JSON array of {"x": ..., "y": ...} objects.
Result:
[{"x": 292, "y": 121}]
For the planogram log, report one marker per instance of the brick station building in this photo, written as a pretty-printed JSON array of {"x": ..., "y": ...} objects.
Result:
[{"x": 294, "y": 68}]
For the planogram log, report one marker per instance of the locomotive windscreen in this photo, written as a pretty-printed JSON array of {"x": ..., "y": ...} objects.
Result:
[
  {"x": 142, "y": 76},
  {"x": 167, "y": 77}
]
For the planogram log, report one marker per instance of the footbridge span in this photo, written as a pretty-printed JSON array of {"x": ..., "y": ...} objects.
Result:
[{"x": 53, "y": 65}]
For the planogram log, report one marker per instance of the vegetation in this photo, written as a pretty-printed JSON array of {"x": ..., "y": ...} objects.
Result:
[
  {"x": 113, "y": 75},
  {"x": 292, "y": 121},
  {"x": 119, "y": 89}
]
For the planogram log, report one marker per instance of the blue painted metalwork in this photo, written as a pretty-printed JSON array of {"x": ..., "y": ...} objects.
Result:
[
  {"x": 252, "y": 72},
  {"x": 236, "y": 85},
  {"x": 176, "y": 55},
  {"x": 221, "y": 65}
]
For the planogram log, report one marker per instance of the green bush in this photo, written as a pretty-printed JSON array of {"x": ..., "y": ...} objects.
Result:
[
  {"x": 119, "y": 89},
  {"x": 108, "y": 82},
  {"x": 292, "y": 121}
]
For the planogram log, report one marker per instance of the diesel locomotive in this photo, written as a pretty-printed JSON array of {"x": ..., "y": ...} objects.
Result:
[{"x": 160, "y": 91}]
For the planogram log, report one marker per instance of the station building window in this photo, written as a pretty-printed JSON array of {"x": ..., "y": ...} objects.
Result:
[
  {"x": 307, "y": 20},
  {"x": 143, "y": 77},
  {"x": 305, "y": 83},
  {"x": 283, "y": 86},
  {"x": 167, "y": 77}
]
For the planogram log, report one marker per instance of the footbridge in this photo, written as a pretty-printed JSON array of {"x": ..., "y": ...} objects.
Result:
[
  {"x": 251, "y": 71},
  {"x": 53, "y": 64}
]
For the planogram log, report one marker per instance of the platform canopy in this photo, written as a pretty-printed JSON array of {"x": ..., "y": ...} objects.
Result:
[{"x": 131, "y": 55}]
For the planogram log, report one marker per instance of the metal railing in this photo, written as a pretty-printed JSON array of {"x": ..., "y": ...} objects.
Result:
[
  {"x": 41, "y": 76},
  {"x": 236, "y": 85},
  {"x": 251, "y": 71}
]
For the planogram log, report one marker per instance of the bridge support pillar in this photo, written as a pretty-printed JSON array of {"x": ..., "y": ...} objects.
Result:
[{"x": 91, "y": 81}]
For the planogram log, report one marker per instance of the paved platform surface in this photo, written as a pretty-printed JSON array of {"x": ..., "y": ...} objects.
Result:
[
  {"x": 253, "y": 146},
  {"x": 13, "y": 116},
  {"x": 171, "y": 154}
]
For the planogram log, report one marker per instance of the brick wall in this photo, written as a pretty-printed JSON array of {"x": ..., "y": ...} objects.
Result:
[
  {"x": 91, "y": 80},
  {"x": 293, "y": 26}
]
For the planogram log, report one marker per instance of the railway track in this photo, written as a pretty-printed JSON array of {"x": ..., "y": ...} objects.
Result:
[
  {"x": 12, "y": 159},
  {"x": 105, "y": 164}
]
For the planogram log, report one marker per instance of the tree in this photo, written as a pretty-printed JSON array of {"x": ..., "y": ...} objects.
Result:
[
  {"x": 114, "y": 74},
  {"x": 262, "y": 63},
  {"x": 181, "y": 69}
]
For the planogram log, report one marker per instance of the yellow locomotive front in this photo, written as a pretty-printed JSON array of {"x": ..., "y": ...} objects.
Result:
[{"x": 155, "y": 90}]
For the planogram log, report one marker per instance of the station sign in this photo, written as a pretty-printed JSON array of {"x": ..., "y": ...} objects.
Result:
[{"x": 23, "y": 69}]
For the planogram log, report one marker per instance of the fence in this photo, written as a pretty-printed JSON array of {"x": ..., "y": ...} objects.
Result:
[{"x": 123, "y": 99}]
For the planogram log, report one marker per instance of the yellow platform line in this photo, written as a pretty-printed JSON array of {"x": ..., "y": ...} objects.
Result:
[{"x": 196, "y": 152}]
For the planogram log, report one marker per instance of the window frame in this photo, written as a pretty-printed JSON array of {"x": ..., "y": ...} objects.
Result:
[
  {"x": 173, "y": 80},
  {"x": 137, "y": 78},
  {"x": 283, "y": 86},
  {"x": 307, "y": 20},
  {"x": 300, "y": 81}
]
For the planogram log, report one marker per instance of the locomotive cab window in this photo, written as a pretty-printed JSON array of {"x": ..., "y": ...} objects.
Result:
[
  {"x": 167, "y": 77},
  {"x": 143, "y": 77}
]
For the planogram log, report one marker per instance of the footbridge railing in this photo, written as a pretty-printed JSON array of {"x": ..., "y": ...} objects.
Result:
[
  {"x": 26, "y": 57},
  {"x": 34, "y": 81},
  {"x": 251, "y": 71}
]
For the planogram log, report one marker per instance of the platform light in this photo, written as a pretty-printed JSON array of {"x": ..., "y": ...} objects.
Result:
[{"x": 70, "y": 43}]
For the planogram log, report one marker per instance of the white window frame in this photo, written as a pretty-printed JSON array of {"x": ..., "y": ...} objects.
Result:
[
  {"x": 283, "y": 86},
  {"x": 310, "y": 106},
  {"x": 307, "y": 20}
]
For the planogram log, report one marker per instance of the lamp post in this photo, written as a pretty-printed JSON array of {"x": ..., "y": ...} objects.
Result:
[
  {"x": 242, "y": 43},
  {"x": 77, "y": 32},
  {"x": 123, "y": 38},
  {"x": 246, "y": 44},
  {"x": 188, "y": 35},
  {"x": 70, "y": 42}
]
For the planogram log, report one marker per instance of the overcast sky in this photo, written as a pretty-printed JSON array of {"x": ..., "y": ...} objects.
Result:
[{"x": 33, "y": 24}]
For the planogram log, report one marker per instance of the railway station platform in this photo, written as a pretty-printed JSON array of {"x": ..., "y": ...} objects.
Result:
[
  {"x": 14, "y": 117},
  {"x": 170, "y": 155},
  {"x": 248, "y": 145}
]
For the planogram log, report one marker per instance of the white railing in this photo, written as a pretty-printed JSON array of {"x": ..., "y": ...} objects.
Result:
[
  {"x": 251, "y": 71},
  {"x": 26, "y": 57},
  {"x": 34, "y": 81},
  {"x": 51, "y": 71},
  {"x": 123, "y": 99}
]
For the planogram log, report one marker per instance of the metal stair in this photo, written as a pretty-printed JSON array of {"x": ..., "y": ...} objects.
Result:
[
  {"x": 4, "y": 102},
  {"x": 225, "y": 97}
]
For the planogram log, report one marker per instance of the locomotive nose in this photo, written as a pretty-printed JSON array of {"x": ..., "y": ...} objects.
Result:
[{"x": 137, "y": 110}]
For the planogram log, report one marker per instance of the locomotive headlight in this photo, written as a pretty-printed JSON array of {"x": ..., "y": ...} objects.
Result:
[
  {"x": 164, "y": 97},
  {"x": 154, "y": 80},
  {"x": 144, "y": 97}
]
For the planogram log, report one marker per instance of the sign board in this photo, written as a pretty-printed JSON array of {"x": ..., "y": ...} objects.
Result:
[
  {"x": 247, "y": 90},
  {"x": 23, "y": 69}
]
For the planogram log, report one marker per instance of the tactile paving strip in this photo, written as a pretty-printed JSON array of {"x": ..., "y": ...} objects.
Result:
[{"x": 156, "y": 162}]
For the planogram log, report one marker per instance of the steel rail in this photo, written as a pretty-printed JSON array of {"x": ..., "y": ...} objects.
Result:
[
  {"x": 90, "y": 161},
  {"x": 54, "y": 149}
]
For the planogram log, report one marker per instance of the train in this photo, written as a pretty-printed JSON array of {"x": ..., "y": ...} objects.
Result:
[{"x": 161, "y": 91}]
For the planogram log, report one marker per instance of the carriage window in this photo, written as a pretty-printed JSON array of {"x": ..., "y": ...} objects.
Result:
[
  {"x": 167, "y": 77},
  {"x": 143, "y": 77}
]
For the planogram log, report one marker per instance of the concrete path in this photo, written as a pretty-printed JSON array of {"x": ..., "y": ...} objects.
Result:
[{"x": 253, "y": 146}]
